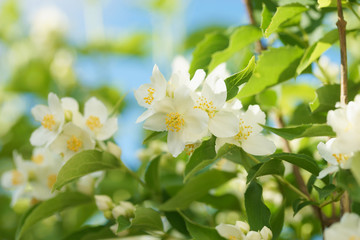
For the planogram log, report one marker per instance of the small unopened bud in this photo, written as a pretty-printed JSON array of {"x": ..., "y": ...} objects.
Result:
[
  {"x": 114, "y": 149},
  {"x": 244, "y": 227},
  {"x": 252, "y": 235},
  {"x": 68, "y": 115},
  {"x": 103, "y": 202},
  {"x": 266, "y": 233},
  {"x": 108, "y": 214},
  {"x": 118, "y": 211}
]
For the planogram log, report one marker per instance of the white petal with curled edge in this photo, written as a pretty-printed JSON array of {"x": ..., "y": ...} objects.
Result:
[
  {"x": 39, "y": 111},
  {"x": 55, "y": 107},
  {"x": 157, "y": 78},
  {"x": 142, "y": 93},
  {"x": 258, "y": 145},
  {"x": 156, "y": 122},
  {"x": 197, "y": 79},
  {"x": 42, "y": 136},
  {"x": 218, "y": 98},
  {"x": 224, "y": 124},
  {"x": 327, "y": 171},
  {"x": 109, "y": 129},
  {"x": 144, "y": 115},
  {"x": 175, "y": 143},
  {"x": 227, "y": 231},
  {"x": 326, "y": 153},
  {"x": 94, "y": 107}
]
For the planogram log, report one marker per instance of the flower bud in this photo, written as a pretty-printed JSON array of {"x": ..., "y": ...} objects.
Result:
[
  {"x": 103, "y": 202},
  {"x": 266, "y": 233},
  {"x": 114, "y": 149},
  {"x": 252, "y": 235},
  {"x": 244, "y": 227},
  {"x": 118, "y": 211}
]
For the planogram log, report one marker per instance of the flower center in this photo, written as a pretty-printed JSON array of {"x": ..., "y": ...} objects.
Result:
[
  {"x": 48, "y": 122},
  {"x": 232, "y": 238},
  {"x": 74, "y": 143},
  {"x": 38, "y": 159},
  {"x": 17, "y": 177},
  {"x": 51, "y": 180},
  {"x": 245, "y": 131},
  {"x": 205, "y": 105},
  {"x": 189, "y": 148},
  {"x": 341, "y": 158},
  {"x": 93, "y": 122},
  {"x": 150, "y": 97},
  {"x": 174, "y": 122}
]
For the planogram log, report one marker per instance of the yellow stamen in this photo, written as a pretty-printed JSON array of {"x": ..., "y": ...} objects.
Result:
[
  {"x": 341, "y": 158},
  {"x": 245, "y": 131},
  {"x": 207, "y": 106},
  {"x": 48, "y": 122},
  {"x": 38, "y": 159},
  {"x": 232, "y": 238},
  {"x": 17, "y": 177},
  {"x": 354, "y": 238},
  {"x": 174, "y": 122},
  {"x": 74, "y": 143},
  {"x": 189, "y": 149},
  {"x": 93, "y": 122},
  {"x": 51, "y": 180},
  {"x": 150, "y": 98}
]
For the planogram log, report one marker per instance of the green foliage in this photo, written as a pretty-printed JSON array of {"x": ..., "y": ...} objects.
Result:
[
  {"x": 306, "y": 130},
  {"x": 300, "y": 160},
  {"x": 83, "y": 163},
  {"x": 277, "y": 221},
  {"x": 152, "y": 177},
  {"x": 147, "y": 219},
  {"x": 272, "y": 167},
  {"x": 202, "y": 232},
  {"x": 50, "y": 207}
]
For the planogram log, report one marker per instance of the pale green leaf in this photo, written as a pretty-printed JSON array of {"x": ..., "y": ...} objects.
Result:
[{"x": 147, "y": 219}]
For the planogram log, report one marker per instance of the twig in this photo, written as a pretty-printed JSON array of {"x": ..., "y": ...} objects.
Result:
[
  {"x": 341, "y": 24},
  {"x": 259, "y": 46}
]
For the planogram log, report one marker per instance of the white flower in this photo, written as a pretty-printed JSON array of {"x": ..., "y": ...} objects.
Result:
[
  {"x": 331, "y": 153},
  {"x": 177, "y": 115},
  {"x": 146, "y": 94},
  {"x": 96, "y": 120},
  {"x": 222, "y": 123},
  {"x": 70, "y": 107},
  {"x": 230, "y": 232},
  {"x": 124, "y": 208},
  {"x": 103, "y": 202},
  {"x": 348, "y": 228},
  {"x": 249, "y": 136},
  {"x": 52, "y": 120},
  {"x": 71, "y": 141}
]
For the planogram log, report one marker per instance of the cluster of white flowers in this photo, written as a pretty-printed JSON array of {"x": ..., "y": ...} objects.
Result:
[
  {"x": 191, "y": 109},
  {"x": 338, "y": 152},
  {"x": 64, "y": 131},
  {"x": 241, "y": 231},
  {"x": 114, "y": 211}
]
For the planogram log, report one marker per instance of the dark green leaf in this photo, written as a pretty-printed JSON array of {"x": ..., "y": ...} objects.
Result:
[
  {"x": 283, "y": 14},
  {"x": 236, "y": 43},
  {"x": 223, "y": 202},
  {"x": 152, "y": 177},
  {"x": 300, "y": 160},
  {"x": 277, "y": 221},
  {"x": 234, "y": 81},
  {"x": 84, "y": 163},
  {"x": 196, "y": 188},
  {"x": 325, "y": 191},
  {"x": 177, "y": 222},
  {"x": 147, "y": 219},
  {"x": 50, "y": 207},
  {"x": 300, "y": 204},
  {"x": 273, "y": 167},
  {"x": 347, "y": 181},
  {"x": 274, "y": 66},
  {"x": 154, "y": 136},
  {"x": 91, "y": 233},
  {"x": 306, "y": 130},
  {"x": 198, "y": 231},
  {"x": 123, "y": 223},
  {"x": 238, "y": 155},
  {"x": 205, "y": 49},
  {"x": 257, "y": 212}
]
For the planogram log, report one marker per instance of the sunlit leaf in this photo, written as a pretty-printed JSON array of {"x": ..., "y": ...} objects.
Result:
[{"x": 306, "y": 130}]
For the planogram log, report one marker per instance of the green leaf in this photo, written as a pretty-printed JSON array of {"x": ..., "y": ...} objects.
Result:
[
  {"x": 299, "y": 204},
  {"x": 223, "y": 202},
  {"x": 267, "y": 99},
  {"x": 177, "y": 222},
  {"x": 347, "y": 181},
  {"x": 196, "y": 188},
  {"x": 274, "y": 66},
  {"x": 152, "y": 177},
  {"x": 355, "y": 166},
  {"x": 236, "y": 43},
  {"x": 198, "y": 231},
  {"x": 50, "y": 207},
  {"x": 306, "y": 130},
  {"x": 266, "y": 17},
  {"x": 283, "y": 14},
  {"x": 90, "y": 233},
  {"x": 277, "y": 221},
  {"x": 238, "y": 155},
  {"x": 147, "y": 219},
  {"x": 300, "y": 160},
  {"x": 257, "y": 212},
  {"x": 316, "y": 50},
  {"x": 84, "y": 163},
  {"x": 154, "y": 136},
  {"x": 123, "y": 223},
  {"x": 325, "y": 191},
  {"x": 204, "y": 50},
  {"x": 327, "y": 3},
  {"x": 234, "y": 81},
  {"x": 273, "y": 167}
]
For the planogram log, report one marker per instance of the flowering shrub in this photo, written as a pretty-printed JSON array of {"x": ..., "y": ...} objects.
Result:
[{"x": 239, "y": 143}]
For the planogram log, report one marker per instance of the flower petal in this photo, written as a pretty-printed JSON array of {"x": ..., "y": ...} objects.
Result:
[
  {"x": 144, "y": 115},
  {"x": 70, "y": 104},
  {"x": 110, "y": 127},
  {"x": 327, "y": 171},
  {"x": 224, "y": 124},
  {"x": 197, "y": 79},
  {"x": 55, "y": 107},
  {"x": 222, "y": 141},
  {"x": 142, "y": 93},
  {"x": 39, "y": 111},
  {"x": 42, "y": 136},
  {"x": 156, "y": 122},
  {"x": 175, "y": 143},
  {"x": 94, "y": 107},
  {"x": 227, "y": 231},
  {"x": 258, "y": 145},
  {"x": 196, "y": 123}
]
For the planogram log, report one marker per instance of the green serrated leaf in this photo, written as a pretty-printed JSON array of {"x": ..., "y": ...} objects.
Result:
[
  {"x": 306, "y": 130},
  {"x": 273, "y": 167},
  {"x": 203, "y": 52},
  {"x": 196, "y": 188},
  {"x": 50, "y": 207},
  {"x": 234, "y": 81},
  {"x": 300, "y": 160},
  {"x": 84, "y": 163},
  {"x": 257, "y": 212},
  {"x": 274, "y": 66},
  {"x": 317, "y": 49},
  {"x": 236, "y": 43},
  {"x": 283, "y": 14}
]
